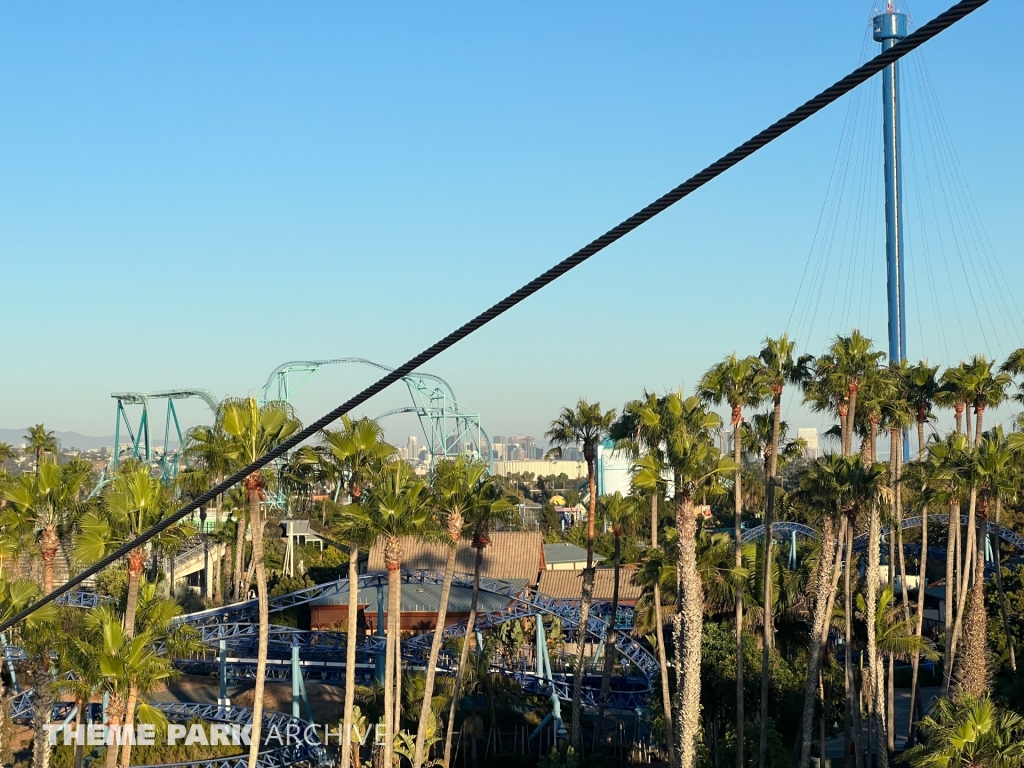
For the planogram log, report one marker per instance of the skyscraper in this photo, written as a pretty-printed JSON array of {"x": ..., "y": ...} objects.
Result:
[{"x": 414, "y": 450}]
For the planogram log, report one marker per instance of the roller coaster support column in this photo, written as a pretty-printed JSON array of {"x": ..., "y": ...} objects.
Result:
[
  {"x": 296, "y": 680},
  {"x": 299, "y": 687},
  {"x": 378, "y": 660},
  {"x": 792, "y": 550},
  {"x": 544, "y": 671},
  {"x": 222, "y": 673}
]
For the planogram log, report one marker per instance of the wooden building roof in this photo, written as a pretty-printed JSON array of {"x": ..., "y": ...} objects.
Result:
[
  {"x": 568, "y": 584},
  {"x": 511, "y": 555}
]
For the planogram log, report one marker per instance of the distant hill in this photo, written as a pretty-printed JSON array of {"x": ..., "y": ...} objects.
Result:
[{"x": 68, "y": 439}]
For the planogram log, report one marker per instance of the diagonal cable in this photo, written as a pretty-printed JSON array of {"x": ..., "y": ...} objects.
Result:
[{"x": 832, "y": 93}]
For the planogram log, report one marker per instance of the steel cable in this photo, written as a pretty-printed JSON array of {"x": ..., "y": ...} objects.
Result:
[{"x": 864, "y": 72}]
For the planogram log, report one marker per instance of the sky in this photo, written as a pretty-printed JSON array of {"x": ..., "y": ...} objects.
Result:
[{"x": 192, "y": 194}]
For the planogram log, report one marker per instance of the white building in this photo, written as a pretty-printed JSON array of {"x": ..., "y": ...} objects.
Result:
[{"x": 810, "y": 437}]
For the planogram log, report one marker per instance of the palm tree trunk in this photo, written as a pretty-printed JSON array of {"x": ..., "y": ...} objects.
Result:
[
  {"x": 1002, "y": 594},
  {"x": 576, "y": 729},
  {"x": 822, "y": 600},
  {"x": 966, "y": 576},
  {"x": 136, "y": 565},
  {"x": 659, "y": 621},
  {"x": 850, "y": 685},
  {"x": 769, "y": 620},
  {"x": 738, "y": 602},
  {"x": 890, "y": 712},
  {"x": 426, "y": 716},
  {"x": 81, "y": 705},
  {"x": 587, "y": 593},
  {"x": 129, "y": 721},
  {"x": 240, "y": 588},
  {"x": 851, "y": 421},
  {"x": 398, "y": 652},
  {"x": 350, "y": 655},
  {"x": 874, "y": 663},
  {"x": 394, "y": 575},
  {"x": 947, "y": 651},
  {"x": 115, "y": 712},
  {"x": 464, "y": 655},
  {"x": 264, "y": 626},
  {"x": 922, "y": 580},
  {"x": 43, "y": 701},
  {"x": 688, "y": 625},
  {"x": 609, "y": 646}
]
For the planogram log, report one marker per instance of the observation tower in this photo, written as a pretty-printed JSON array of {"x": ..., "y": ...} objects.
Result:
[{"x": 888, "y": 29}]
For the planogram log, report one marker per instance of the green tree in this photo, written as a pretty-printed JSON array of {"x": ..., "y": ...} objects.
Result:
[
  {"x": 491, "y": 506},
  {"x": 133, "y": 503},
  {"x": 256, "y": 429},
  {"x": 922, "y": 385},
  {"x": 638, "y": 433},
  {"x": 968, "y": 732},
  {"x": 355, "y": 454},
  {"x": 622, "y": 514},
  {"x": 15, "y": 596},
  {"x": 740, "y": 384},
  {"x": 48, "y": 503},
  {"x": 461, "y": 487},
  {"x": 207, "y": 457},
  {"x": 39, "y": 442},
  {"x": 987, "y": 389},
  {"x": 696, "y": 465},
  {"x": 397, "y": 507},
  {"x": 7, "y": 452},
  {"x": 585, "y": 425}
]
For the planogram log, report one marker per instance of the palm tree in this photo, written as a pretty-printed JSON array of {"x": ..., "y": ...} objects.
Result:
[
  {"x": 493, "y": 508},
  {"x": 39, "y": 442},
  {"x": 47, "y": 502},
  {"x": 15, "y": 596},
  {"x": 835, "y": 485},
  {"x": 7, "y": 452},
  {"x": 134, "y": 502},
  {"x": 969, "y": 732},
  {"x": 740, "y": 384},
  {"x": 125, "y": 664},
  {"x": 355, "y": 454},
  {"x": 642, "y": 440},
  {"x": 461, "y": 486},
  {"x": 987, "y": 389},
  {"x": 622, "y": 515},
  {"x": 922, "y": 387},
  {"x": 696, "y": 465},
  {"x": 949, "y": 470},
  {"x": 758, "y": 440},
  {"x": 850, "y": 360},
  {"x": 397, "y": 507},
  {"x": 256, "y": 429},
  {"x": 953, "y": 393},
  {"x": 820, "y": 494},
  {"x": 359, "y": 450},
  {"x": 157, "y": 620},
  {"x": 206, "y": 451},
  {"x": 586, "y": 425}
]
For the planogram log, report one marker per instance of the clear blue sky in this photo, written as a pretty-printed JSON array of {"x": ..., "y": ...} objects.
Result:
[{"x": 192, "y": 193}]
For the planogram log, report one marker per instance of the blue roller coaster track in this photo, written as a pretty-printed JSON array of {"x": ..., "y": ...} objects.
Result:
[{"x": 231, "y": 637}]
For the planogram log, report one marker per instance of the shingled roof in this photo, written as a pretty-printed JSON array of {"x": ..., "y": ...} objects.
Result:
[
  {"x": 567, "y": 584},
  {"x": 511, "y": 555}
]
